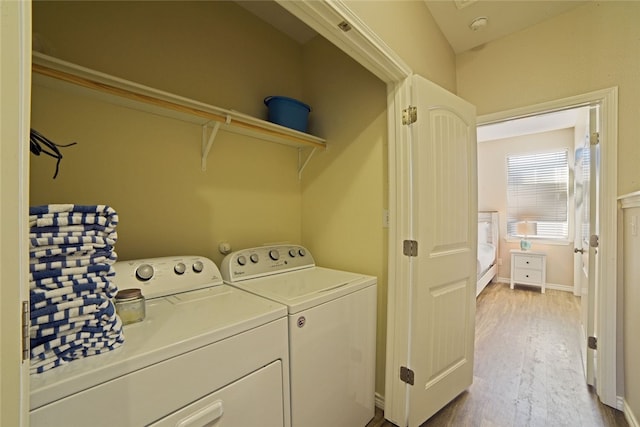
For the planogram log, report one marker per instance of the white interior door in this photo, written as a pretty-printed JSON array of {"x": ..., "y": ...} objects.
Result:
[
  {"x": 586, "y": 251},
  {"x": 432, "y": 309},
  {"x": 590, "y": 258}
]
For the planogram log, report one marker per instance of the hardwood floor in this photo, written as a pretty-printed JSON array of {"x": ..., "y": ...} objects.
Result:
[{"x": 528, "y": 368}]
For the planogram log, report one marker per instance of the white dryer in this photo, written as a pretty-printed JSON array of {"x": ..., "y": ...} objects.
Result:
[
  {"x": 332, "y": 331},
  {"x": 206, "y": 354}
]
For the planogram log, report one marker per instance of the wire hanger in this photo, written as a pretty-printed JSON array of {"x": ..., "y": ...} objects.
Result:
[{"x": 37, "y": 140}]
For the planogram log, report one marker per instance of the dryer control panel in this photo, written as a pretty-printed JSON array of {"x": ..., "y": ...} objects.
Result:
[
  {"x": 163, "y": 276},
  {"x": 264, "y": 261}
]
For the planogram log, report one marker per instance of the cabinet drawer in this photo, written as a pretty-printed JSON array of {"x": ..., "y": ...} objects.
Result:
[
  {"x": 526, "y": 275},
  {"x": 528, "y": 261}
]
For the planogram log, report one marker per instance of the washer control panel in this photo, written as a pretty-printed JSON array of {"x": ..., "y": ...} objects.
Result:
[
  {"x": 264, "y": 261},
  {"x": 158, "y": 277}
]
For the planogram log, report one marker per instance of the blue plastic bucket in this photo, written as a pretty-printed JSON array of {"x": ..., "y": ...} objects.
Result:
[{"x": 288, "y": 112}]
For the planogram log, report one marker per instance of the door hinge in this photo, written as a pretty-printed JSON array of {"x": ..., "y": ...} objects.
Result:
[
  {"x": 409, "y": 115},
  {"x": 595, "y": 138},
  {"x": 594, "y": 241},
  {"x": 25, "y": 330},
  {"x": 410, "y": 248},
  {"x": 406, "y": 375},
  {"x": 592, "y": 343}
]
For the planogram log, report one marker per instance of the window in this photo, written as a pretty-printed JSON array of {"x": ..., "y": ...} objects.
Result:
[{"x": 538, "y": 190}]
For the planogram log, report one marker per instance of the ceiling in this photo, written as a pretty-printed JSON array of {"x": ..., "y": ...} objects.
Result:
[
  {"x": 504, "y": 17},
  {"x": 454, "y": 17},
  {"x": 274, "y": 14},
  {"x": 544, "y": 122}
]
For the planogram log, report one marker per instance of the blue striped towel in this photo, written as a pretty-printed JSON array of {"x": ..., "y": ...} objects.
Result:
[
  {"x": 83, "y": 342},
  {"x": 92, "y": 241},
  {"x": 70, "y": 270},
  {"x": 69, "y": 309},
  {"x": 40, "y": 334},
  {"x": 67, "y": 250},
  {"x": 57, "y": 263},
  {"x": 73, "y": 231},
  {"x": 73, "y": 219},
  {"x": 60, "y": 208},
  {"x": 69, "y": 214},
  {"x": 70, "y": 273},
  {"x": 77, "y": 289},
  {"x": 46, "y": 326}
]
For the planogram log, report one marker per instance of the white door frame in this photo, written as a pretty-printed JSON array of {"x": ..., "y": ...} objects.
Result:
[
  {"x": 363, "y": 45},
  {"x": 606, "y": 309},
  {"x": 15, "y": 96}
]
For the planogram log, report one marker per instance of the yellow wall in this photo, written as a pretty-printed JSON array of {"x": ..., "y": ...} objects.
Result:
[
  {"x": 591, "y": 47},
  {"x": 147, "y": 167},
  {"x": 408, "y": 28},
  {"x": 343, "y": 188},
  {"x": 215, "y": 52}
]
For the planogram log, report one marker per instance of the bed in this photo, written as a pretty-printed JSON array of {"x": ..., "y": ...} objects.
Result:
[{"x": 488, "y": 240}]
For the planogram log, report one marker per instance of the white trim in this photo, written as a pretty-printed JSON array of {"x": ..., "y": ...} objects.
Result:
[
  {"x": 547, "y": 242},
  {"x": 606, "y": 385},
  {"x": 15, "y": 85},
  {"x": 554, "y": 286},
  {"x": 398, "y": 297},
  {"x": 360, "y": 42},
  {"x": 379, "y": 399},
  {"x": 363, "y": 45},
  {"x": 630, "y": 416},
  {"x": 631, "y": 200}
]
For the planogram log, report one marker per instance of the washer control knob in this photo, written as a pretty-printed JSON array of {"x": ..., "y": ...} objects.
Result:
[
  {"x": 302, "y": 252},
  {"x": 254, "y": 258},
  {"x": 180, "y": 268},
  {"x": 241, "y": 260},
  {"x": 274, "y": 254},
  {"x": 292, "y": 253},
  {"x": 144, "y": 272},
  {"x": 198, "y": 266}
]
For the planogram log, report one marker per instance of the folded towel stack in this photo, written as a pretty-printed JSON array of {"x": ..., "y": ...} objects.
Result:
[{"x": 71, "y": 250}]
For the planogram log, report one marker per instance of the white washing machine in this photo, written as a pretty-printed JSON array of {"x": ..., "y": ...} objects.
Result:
[
  {"x": 332, "y": 331},
  {"x": 206, "y": 354}
]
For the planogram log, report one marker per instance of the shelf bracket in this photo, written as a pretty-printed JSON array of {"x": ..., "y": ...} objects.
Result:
[
  {"x": 303, "y": 163},
  {"x": 208, "y": 142}
]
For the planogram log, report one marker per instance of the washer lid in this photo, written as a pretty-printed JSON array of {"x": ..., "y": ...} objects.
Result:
[
  {"x": 173, "y": 325},
  {"x": 306, "y": 288}
]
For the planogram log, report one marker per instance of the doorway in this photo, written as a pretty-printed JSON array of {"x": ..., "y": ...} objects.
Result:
[{"x": 603, "y": 314}]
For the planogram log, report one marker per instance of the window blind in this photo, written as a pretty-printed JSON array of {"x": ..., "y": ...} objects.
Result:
[{"x": 538, "y": 190}]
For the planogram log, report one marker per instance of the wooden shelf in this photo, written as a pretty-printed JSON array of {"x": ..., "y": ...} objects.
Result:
[{"x": 55, "y": 73}]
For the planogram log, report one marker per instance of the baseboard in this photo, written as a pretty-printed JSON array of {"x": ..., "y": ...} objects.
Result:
[
  {"x": 630, "y": 416},
  {"x": 379, "y": 401},
  {"x": 554, "y": 286}
]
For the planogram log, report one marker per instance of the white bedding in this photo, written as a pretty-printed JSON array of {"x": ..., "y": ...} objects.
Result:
[
  {"x": 488, "y": 249},
  {"x": 486, "y": 257}
]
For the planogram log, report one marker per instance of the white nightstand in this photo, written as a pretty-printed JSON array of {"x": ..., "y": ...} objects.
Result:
[{"x": 528, "y": 268}]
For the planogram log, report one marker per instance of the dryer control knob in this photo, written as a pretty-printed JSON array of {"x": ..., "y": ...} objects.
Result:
[
  {"x": 144, "y": 272},
  {"x": 274, "y": 254},
  {"x": 180, "y": 268},
  {"x": 198, "y": 266},
  {"x": 254, "y": 258},
  {"x": 302, "y": 252},
  {"x": 292, "y": 253},
  {"x": 241, "y": 260}
]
